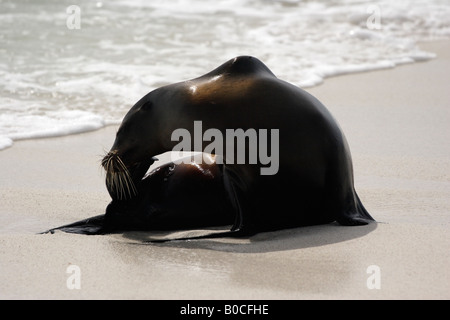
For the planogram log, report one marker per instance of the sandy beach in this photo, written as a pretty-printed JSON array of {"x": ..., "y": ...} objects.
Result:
[{"x": 397, "y": 124}]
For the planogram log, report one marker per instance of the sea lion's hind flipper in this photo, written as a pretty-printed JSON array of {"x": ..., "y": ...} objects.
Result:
[
  {"x": 89, "y": 226},
  {"x": 224, "y": 234},
  {"x": 353, "y": 220},
  {"x": 357, "y": 216}
]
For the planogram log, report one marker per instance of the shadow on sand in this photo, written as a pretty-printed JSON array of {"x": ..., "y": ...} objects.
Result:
[{"x": 289, "y": 239}]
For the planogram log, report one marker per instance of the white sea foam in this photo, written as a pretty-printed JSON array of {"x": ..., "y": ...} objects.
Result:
[
  {"x": 51, "y": 124},
  {"x": 56, "y": 81}
]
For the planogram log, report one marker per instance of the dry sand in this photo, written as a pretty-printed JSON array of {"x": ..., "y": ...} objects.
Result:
[{"x": 397, "y": 124}]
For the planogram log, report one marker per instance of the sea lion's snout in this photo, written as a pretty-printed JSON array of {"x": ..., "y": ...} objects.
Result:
[
  {"x": 122, "y": 179},
  {"x": 119, "y": 182}
]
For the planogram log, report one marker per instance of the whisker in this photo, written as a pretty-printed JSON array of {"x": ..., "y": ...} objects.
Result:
[
  {"x": 122, "y": 187},
  {"x": 114, "y": 183},
  {"x": 118, "y": 177},
  {"x": 125, "y": 185},
  {"x": 127, "y": 178}
]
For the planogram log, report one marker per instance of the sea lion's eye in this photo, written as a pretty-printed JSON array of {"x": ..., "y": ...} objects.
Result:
[{"x": 146, "y": 106}]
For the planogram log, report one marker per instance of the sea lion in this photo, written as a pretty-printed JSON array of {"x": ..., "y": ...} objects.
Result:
[
  {"x": 313, "y": 183},
  {"x": 174, "y": 196}
]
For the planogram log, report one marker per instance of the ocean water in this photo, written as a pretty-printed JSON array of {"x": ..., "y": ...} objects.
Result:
[{"x": 73, "y": 66}]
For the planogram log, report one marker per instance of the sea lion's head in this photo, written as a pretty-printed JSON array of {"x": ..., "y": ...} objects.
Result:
[{"x": 133, "y": 151}]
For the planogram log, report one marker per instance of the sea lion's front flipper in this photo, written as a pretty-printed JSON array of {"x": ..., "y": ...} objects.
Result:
[
  {"x": 234, "y": 188},
  {"x": 90, "y": 226}
]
